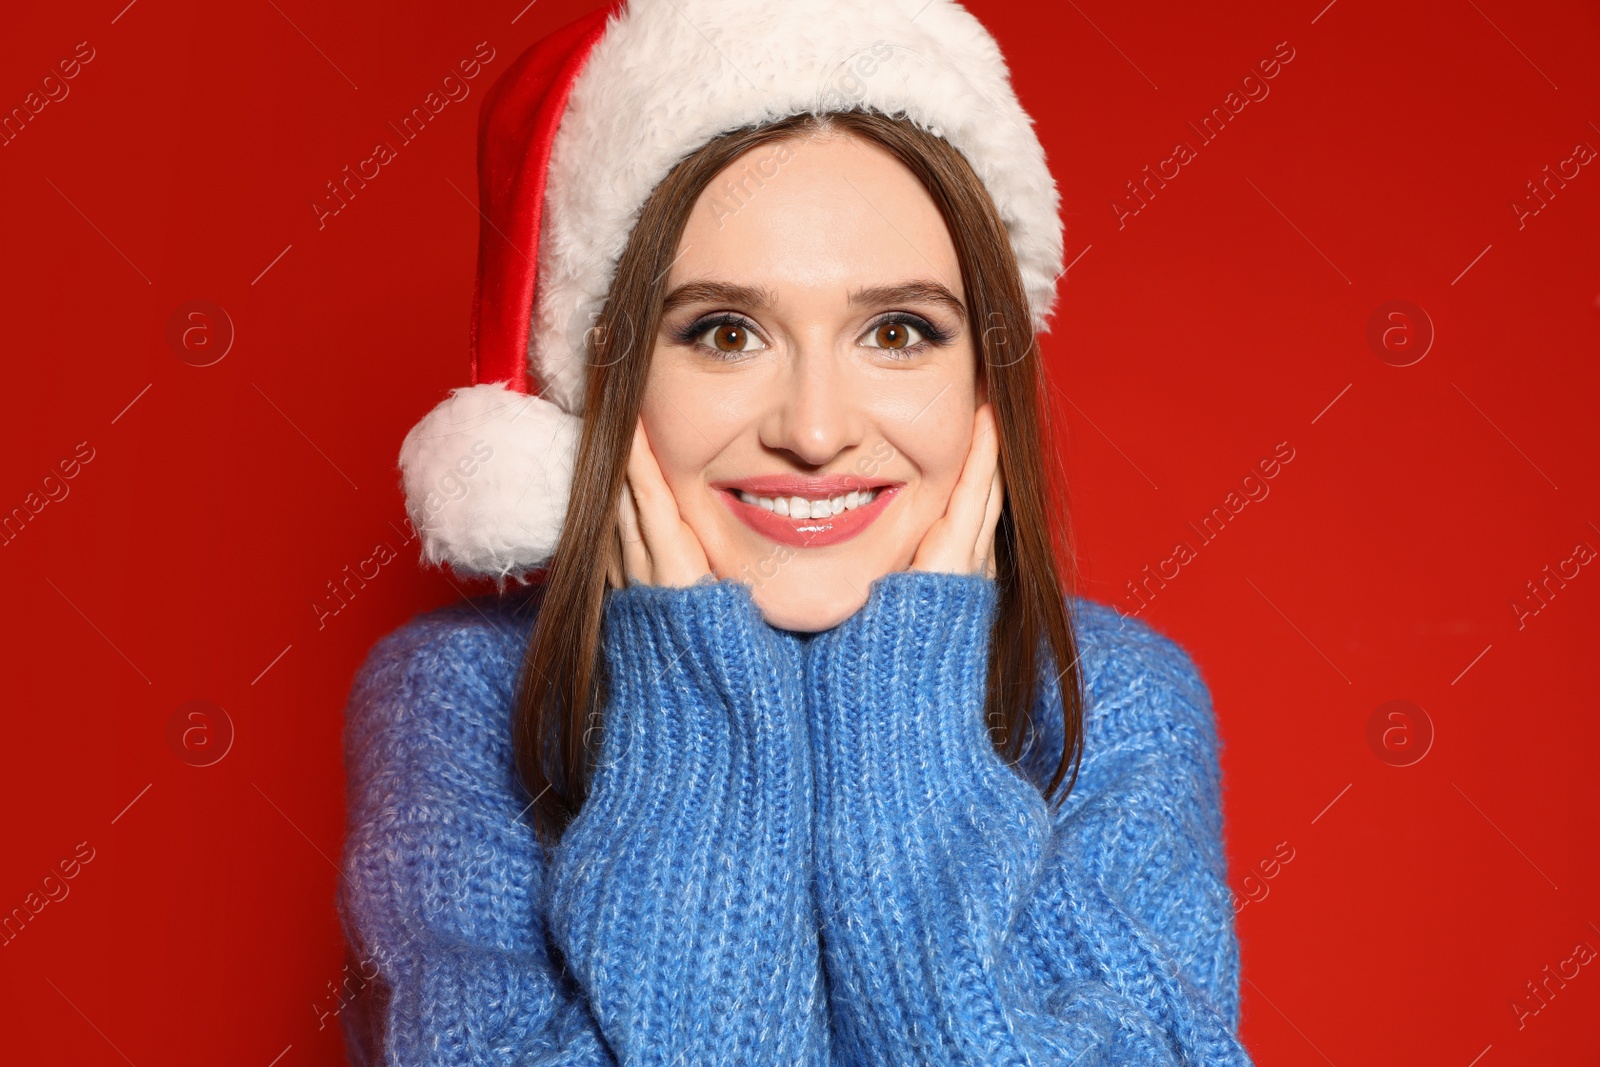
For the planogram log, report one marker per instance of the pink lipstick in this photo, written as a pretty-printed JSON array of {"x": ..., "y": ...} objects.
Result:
[{"x": 814, "y": 531}]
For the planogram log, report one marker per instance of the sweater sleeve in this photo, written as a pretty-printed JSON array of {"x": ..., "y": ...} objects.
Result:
[
  {"x": 680, "y": 896},
  {"x": 964, "y": 922},
  {"x": 441, "y": 870},
  {"x": 673, "y": 922}
]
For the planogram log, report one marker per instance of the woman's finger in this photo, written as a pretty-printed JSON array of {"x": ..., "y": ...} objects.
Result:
[
  {"x": 651, "y": 498},
  {"x": 650, "y": 491},
  {"x": 674, "y": 554},
  {"x": 991, "y": 520},
  {"x": 635, "y": 553},
  {"x": 654, "y": 506},
  {"x": 969, "y": 500},
  {"x": 951, "y": 544}
]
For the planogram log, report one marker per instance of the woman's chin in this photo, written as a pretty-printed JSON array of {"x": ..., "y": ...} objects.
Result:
[{"x": 809, "y": 607}]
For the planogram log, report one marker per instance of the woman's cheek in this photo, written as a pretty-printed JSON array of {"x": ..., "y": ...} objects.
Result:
[
  {"x": 683, "y": 430},
  {"x": 685, "y": 438},
  {"x": 714, "y": 526},
  {"x": 938, "y": 465}
]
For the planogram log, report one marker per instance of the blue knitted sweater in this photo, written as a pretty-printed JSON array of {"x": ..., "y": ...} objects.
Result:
[{"x": 797, "y": 848}]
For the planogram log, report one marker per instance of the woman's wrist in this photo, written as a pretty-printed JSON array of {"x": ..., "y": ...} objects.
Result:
[
  {"x": 922, "y": 632},
  {"x": 704, "y": 647},
  {"x": 896, "y": 699},
  {"x": 680, "y": 895},
  {"x": 698, "y": 688},
  {"x": 926, "y": 842}
]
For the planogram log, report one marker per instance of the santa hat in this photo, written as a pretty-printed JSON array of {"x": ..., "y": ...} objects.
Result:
[{"x": 572, "y": 140}]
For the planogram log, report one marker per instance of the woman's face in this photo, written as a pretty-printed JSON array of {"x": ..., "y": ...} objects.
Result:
[{"x": 814, "y": 343}]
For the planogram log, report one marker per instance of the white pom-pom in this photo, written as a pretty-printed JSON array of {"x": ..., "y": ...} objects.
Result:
[{"x": 487, "y": 476}]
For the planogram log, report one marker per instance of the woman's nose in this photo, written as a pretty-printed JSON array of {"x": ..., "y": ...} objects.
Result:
[{"x": 818, "y": 412}]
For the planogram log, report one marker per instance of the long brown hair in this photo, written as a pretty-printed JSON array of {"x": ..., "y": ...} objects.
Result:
[{"x": 562, "y": 689}]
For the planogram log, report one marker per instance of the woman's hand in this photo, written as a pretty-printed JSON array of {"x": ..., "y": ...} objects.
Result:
[
  {"x": 652, "y": 544},
  {"x": 962, "y": 542}
]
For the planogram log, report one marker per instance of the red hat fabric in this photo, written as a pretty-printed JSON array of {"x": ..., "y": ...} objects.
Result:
[
  {"x": 516, "y": 134},
  {"x": 576, "y": 134}
]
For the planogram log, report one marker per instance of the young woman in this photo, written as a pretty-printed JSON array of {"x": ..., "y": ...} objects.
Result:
[{"x": 798, "y": 749}]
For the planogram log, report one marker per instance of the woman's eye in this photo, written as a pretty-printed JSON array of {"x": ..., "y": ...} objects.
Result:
[
  {"x": 731, "y": 337},
  {"x": 893, "y": 334}
]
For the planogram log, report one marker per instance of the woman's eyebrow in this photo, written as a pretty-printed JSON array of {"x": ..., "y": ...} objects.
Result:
[
  {"x": 761, "y": 299},
  {"x": 749, "y": 296},
  {"x": 910, "y": 293}
]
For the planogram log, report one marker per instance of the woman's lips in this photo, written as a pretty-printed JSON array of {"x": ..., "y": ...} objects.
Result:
[{"x": 809, "y": 533}]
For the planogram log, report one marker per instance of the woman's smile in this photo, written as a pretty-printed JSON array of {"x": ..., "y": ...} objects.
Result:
[{"x": 808, "y": 512}]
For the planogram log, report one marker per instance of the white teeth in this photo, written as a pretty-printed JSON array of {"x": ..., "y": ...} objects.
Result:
[{"x": 799, "y": 507}]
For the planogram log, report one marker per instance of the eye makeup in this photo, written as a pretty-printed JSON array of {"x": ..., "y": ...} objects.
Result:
[{"x": 689, "y": 335}]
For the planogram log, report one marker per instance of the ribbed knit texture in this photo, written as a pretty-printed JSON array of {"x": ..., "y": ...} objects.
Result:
[{"x": 798, "y": 849}]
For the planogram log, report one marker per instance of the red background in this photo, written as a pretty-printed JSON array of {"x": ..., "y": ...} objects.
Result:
[{"x": 1230, "y": 314}]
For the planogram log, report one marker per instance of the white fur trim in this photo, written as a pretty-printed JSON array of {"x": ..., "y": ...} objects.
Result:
[
  {"x": 487, "y": 475},
  {"x": 669, "y": 75}
]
